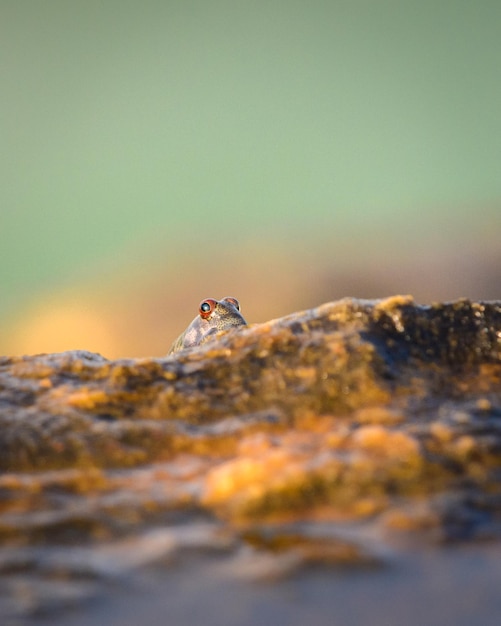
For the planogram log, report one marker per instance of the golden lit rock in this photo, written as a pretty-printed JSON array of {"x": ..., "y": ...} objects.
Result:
[{"x": 377, "y": 414}]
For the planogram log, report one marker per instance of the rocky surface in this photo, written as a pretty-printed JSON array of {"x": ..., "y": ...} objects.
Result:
[{"x": 322, "y": 438}]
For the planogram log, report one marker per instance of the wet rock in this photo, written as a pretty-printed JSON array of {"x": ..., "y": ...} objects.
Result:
[{"x": 362, "y": 419}]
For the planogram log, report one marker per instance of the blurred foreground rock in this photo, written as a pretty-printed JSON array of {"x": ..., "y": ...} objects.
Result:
[{"x": 323, "y": 437}]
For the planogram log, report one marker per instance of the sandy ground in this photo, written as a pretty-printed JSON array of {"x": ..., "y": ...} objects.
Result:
[{"x": 457, "y": 585}]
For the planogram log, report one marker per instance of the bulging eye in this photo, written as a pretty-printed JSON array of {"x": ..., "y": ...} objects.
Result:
[
  {"x": 206, "y": 308},
  {"x": 233, "y": 301}
]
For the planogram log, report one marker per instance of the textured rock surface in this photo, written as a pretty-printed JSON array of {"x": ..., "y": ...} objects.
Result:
[{"x": 320, "y": 437}]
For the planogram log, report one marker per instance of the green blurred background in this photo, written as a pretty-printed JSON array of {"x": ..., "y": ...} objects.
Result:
[{"x": 286, "y": 153}]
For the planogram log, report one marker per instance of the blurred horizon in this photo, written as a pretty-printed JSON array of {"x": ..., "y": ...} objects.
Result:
[{"x": 161, "y": 153}]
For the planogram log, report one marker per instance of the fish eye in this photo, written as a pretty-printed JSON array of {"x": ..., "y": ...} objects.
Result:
[
  {"x": 206, "y": 308},
  {"x": 233, "y": 301}
]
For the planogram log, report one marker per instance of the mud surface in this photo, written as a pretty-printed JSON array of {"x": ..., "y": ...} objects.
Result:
[{"x": 334, "y": 440}]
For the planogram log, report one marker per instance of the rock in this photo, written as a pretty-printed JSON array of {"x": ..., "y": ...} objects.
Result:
[{"x": 381, "y": 414}]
